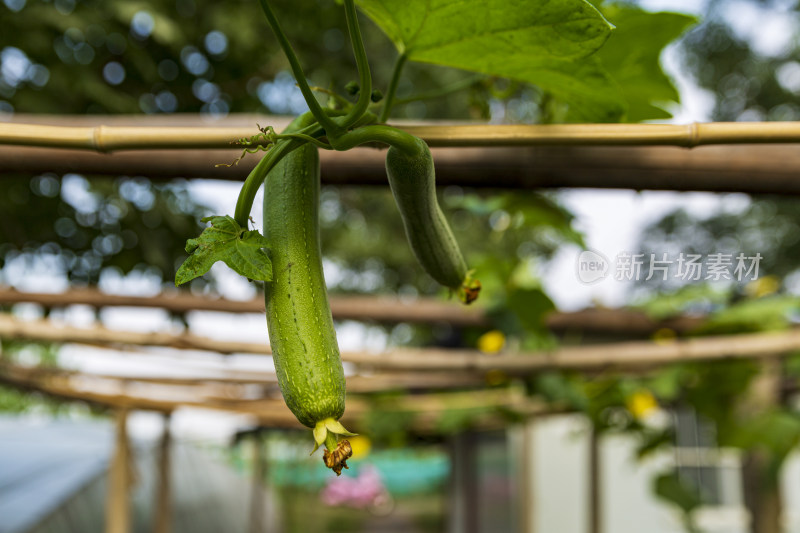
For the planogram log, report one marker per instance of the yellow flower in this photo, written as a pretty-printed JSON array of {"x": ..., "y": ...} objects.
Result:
[
  {"x": 664, "y": 336},
  {"x": 491, "y": 341},
  {"x": 641, "y": 403},
  {"x": 763, "y": 287},
  {"x": 361, "y": 446}
]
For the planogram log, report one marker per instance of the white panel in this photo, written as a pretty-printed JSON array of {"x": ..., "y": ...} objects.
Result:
[{"x": 560, "y": 466}]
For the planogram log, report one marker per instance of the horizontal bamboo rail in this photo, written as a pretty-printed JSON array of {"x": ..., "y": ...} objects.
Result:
[
  {"x": 358, "y": 384},
  {"x": 627, "y": 323},
  {"x": 571, "y": 162},
  {"x": 366, "y": 308},
  {"x": 628, "y": 356},
  {"x": 426, "y": 408},
  {"x": 743, "y": 168},
  {"x": 104, "y": 138},
  {"x": 188, "y": 375},
  {"x": 44, "y": 330},
  {"x": 623, "y": 355}
]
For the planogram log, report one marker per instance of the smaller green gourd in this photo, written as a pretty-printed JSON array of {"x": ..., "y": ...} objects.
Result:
[{"x": 413, "y": 183}]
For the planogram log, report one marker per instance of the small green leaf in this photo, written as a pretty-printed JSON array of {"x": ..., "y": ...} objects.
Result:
[
  {"x": 531, "y": 306},
  {"x": 334, "y": 426},
  {"x": 670, "y": 487},
  {"x": 320, "y": 434},
  {"x": 226, "y": 241},
  {"x": 771, "y": 313}
]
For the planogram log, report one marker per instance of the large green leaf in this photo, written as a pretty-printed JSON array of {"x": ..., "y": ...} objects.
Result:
[
  {"x": 631, "y": 57},
  {"x": 543, "y": 42},
  {"x": 482, "y": 30}
]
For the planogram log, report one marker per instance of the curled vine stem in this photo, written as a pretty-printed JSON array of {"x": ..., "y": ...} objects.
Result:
[
  {"x": 284, "y": 146},
  {"x": 254, "y": 143}
]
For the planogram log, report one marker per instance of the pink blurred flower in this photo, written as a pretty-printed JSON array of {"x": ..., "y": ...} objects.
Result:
[{"x": 358, "y": 492}]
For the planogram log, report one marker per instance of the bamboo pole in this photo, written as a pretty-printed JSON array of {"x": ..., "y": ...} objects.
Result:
[
  {"x": 629, "y": 356},
  {"x": 426, "y": 408},
  {"x": 685, "y": 135},
  {"x": 576, "y": 163},
  {"x": 761, "y": 487},
  {"x": 462, "y": 488},
  {"x": 107, "y": 138},
  {"x": 522, "y": 470},
  {"x": 413, "y": 381},
  {"x": 44, "y": 330},
  {"x": 118, "y": 510},
  {"x": 185, "y": 379},
  {"x": 102, "y": 138},
  {"x": 356, "y": 384},
  {"x": 366, "y": 308},
  {"x": 60, "y": 382},
  {"x": 528, "y": 441},
  {"x": 624, "y": 355},
  {"x": 257, "y": 492},
  {"x": 371, "y": 308},
  {"x": 163, "y": 514},
  {"x": 595, "y": 483},
  {"x": 720, "y": 168}
]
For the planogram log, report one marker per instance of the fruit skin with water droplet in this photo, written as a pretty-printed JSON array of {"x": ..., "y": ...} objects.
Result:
[{"x": 299, "y": 320}]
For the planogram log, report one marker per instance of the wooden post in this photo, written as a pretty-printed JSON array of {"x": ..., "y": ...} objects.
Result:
[
  {"x": 525, "y": 484},
  {"x": 118, "y": 511},
  {"x": 762, "y": 494},
  {"x": 595, "y": 502},
  {"x": 163, "y": 506},
  {"x": 463, "y": 511},
  {"x": 257, "y": 522}
]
